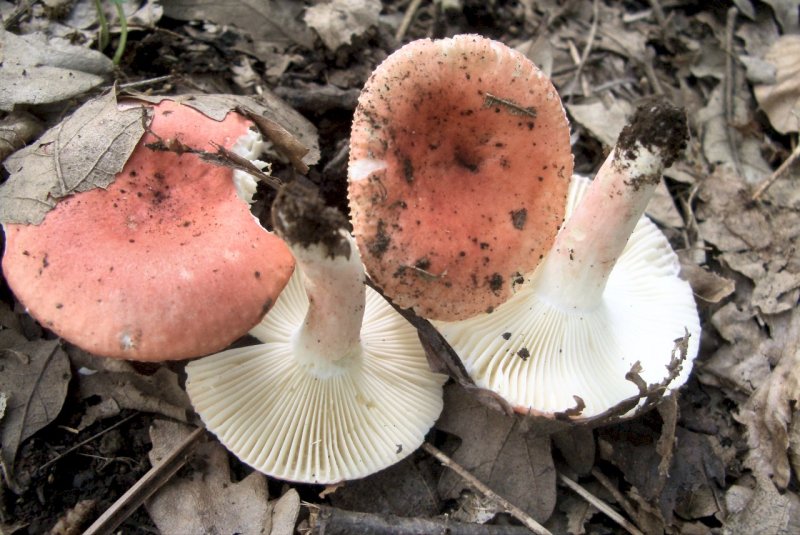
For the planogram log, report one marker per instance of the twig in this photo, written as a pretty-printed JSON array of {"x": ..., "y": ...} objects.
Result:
[
  {"x": 149, "y": 81},
  {"x": 586, "y": 49},
  {"x": 650, "y": 72},
  {"x": 615, "y": 492},
  {"x": 766, "y": 183},
  {"x": 83, "y": 443},
  {"x": 600, "y": 505},
  {"x": 728, "y": 88},
  {"x": 332, "y": 521},
  {"x": 658, "y": 12},
  {"x": 153, "y": 480},
  {"x": 512, "y": 509},
  {"x": 15, "y": 16},
  {"x": 408, "y": 16}
]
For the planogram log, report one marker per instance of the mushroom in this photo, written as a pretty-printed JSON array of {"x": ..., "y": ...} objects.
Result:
[
  {"x": 340, "y": 387},
  {"x": 459, "y": 167},
  {"x": 604, "y": 318},
  {"x": 167, "y": 262}
]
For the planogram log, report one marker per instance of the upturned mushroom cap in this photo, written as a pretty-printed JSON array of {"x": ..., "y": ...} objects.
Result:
[
  {"x": 459, "y": 166},
  {"x": 548, "y": 359},
  {"x": 299, "y": 419},
  {"x": 166, "y": 263}
]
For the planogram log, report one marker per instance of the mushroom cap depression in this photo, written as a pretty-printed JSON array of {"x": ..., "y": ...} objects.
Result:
[
  {"x": 539, "y": 356},
  {"x": 166, "y": 263},
  {"x": 283, "y": 416},
  {"x": 459, "y": 167}
]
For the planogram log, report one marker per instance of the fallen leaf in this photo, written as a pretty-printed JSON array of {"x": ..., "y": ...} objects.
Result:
[
  {"x": 38, "y": 70},
  {"x": 761, "y": 510},
  {"x": 276, "y": 21},
  {"x": 498, "y": 450},
  {"x": 117, "y": 386},
  {"x": 203, "y": 498},
  {"x": 768, "y": 412},
  {"x": 404, "y": 489},
  {"x": 35, "y": 377},
  {"x": 603, "y": 122},
  {"x": 83, "y": 152},
  {"x": 707, "y": 285},
  {"x": 16, "y": 130},
  {"x": 780, "y": 99},
  {"x": 284, "y": 513},
  {"x": 337, "y": 21}
]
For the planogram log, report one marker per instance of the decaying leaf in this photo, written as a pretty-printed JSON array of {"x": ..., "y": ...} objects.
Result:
[
  {"x": 707, "y": 285},
  {"x": 513, "y": 461},
  {"x": 35, "y": 376},
  {"x": 38, "y": 70},
  {"x": 758, "y": 240},
  {"x": 17, "y": 129},
  {"x": 768, "y": 412},
  {"x": 759, "y": 508},
  {"x": 337, "y": 21},
  {"x": 780, "y": 99},
  {"x": 84, "y": 151},
  {"x": 276, "y": 21},
  {"x": 119, "y": 386},
  {"x": 202, "y": 498},
  {"x": 404, "y": 489},
  {"x": 604, "y": 123}
]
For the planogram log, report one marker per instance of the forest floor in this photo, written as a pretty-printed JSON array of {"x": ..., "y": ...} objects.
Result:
[{"x": 721, "y": 456}]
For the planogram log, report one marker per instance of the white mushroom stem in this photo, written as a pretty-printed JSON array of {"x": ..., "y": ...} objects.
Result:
[
  {"x": 576, "y": 270},
  {"x": 336, "y": 296},
  {"x": 328, "y": 340}
]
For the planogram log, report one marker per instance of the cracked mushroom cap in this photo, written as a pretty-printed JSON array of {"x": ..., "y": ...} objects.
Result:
[
  {"x": 166, "y": 263},
  {"x": 459, "y": 167},
  {"x": 295, "y": 418},
  {"x": 548, "y": 360}
]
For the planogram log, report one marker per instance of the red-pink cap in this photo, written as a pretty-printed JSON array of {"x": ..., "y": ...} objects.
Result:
[
  {"x": 166, "y": 263},
  {"x": 460, "y": 162}
]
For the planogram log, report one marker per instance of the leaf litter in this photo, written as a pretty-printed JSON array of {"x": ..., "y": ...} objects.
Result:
[{"x": 724, "y": 459}]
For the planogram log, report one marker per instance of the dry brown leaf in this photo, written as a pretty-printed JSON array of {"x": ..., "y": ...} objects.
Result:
[
  {"x": 16, "y": 130},
  {"x": 707, "y": 285},
  {"x": 38, "y": 70},
  {"x": 404, "y": 489},
  {"x": 119, "y": 386},
  {"x": 284, "y": 513},
  {"x": 780, "y": 99},
  {"x": 603, "y": 122},
  {"x": 203, "y": 499},
  {"x": 338, "y": 21},
  {"x": 514, "y": 462},
  {"x": 761, "y": 510},
  {"x": 275, "y": 21},
  {"x": 83, "y": 152},
  {"x": 35, "y": 377},
  {"x": 768, "y": 412}
]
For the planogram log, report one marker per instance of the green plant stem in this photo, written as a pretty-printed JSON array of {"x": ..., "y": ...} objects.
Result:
[
  {"x": 123, "y": 32},
  {"x": 102, "y": 40}
]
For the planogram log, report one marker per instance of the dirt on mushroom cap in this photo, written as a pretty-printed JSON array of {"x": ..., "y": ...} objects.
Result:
[{"x": 459, "y": 166}]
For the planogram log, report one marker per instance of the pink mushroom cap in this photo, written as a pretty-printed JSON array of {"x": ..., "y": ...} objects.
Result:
[
  {"x": 166, "y": 263},
  {"x": 460, "y": 162}
]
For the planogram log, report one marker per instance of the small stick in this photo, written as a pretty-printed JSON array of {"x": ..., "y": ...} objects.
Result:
[
  {"x": 83, "y": 443},
  {"x": 615, "y": 492},
  {"x": 148, "y": 81},
  {"x": 766, "y": 183},
  {"x": 600, "y": 505},
  {"x": 728, "y": 88},
  {"x": 153, "y": 480},
  {"x": 411, "y": 10},
  {"x": 512, "y": 509},
  {"x": 332, "y": 521},
  {"x": 587, "y": 49}
]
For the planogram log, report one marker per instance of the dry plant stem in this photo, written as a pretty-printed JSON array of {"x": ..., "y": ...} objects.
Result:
[
  {"x": 512, "y": 509},
  {"x": 615, "y": 492},
  {"x": 728, "y": 88},
  {"x": 600, "y": 505},
  {"x": 586, "y": 50},
  {"x": 332, "y": 521},
  {"x": 770, "y": 180},
  {"x": 153, "y": 480},
  {"x": 407, "y": 18},
  {"x": 83, "y": 443}
]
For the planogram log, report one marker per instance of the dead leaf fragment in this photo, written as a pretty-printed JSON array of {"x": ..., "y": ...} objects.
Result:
[
  {"x": 17, "y": 129},
  {"x": 762, "y": 510},
  {"x": 83, "y": 152},
  {"x": 768, "y": 412},
  {"x": 38, "y": 70},
  {"x": 119, "y": 386},
  {"x": 205, "y": 500},
  {"x": 513, "y": 461},
  {"x": 276, "y": 21},
  {"x": 337, "y": 21},
  {"x": 35, "y": 376},
  {"x": 781, "y": 99}
]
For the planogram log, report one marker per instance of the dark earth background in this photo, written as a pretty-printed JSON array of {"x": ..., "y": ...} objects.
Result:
[{"x": 722, "y": 457}]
